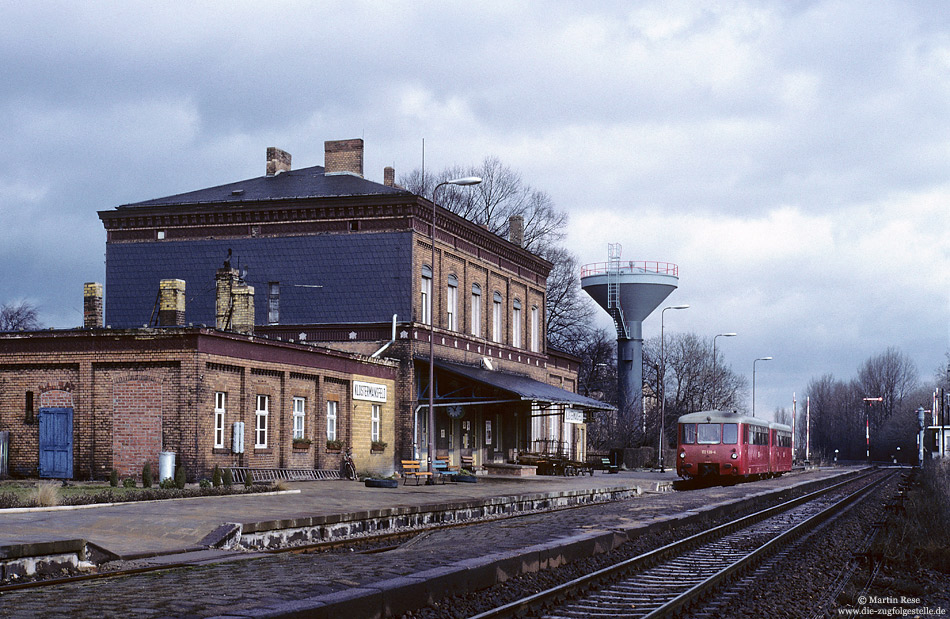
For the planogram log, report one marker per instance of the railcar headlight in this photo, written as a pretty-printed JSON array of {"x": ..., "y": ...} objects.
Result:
[
  {"x": 734, "y": 455},
  {"x": 682, "y": 454}
]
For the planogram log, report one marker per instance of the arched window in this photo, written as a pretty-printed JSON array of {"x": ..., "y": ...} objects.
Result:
[
  {"x": 535, "y": 329},
  {"x": 451, "y": 303},
  {"x": 476, "y": 310},
  {"x": 516, "y": 324},
  {"x": 425, "y": 302},
  {"x": 497, "y": 312}
]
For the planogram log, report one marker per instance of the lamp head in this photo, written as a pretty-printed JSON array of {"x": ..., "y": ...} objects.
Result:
[{"x": 467, "y": 180}]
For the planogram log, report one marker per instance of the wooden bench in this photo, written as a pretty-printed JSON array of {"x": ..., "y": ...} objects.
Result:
[
  {"x": 442, "y": 470},
  {"x": 468, "y": 463},
  {"x": 412, "y": 469},
  {"x": 608, "y": 467}
]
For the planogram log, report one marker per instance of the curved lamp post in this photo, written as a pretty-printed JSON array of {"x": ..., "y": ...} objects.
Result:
[
  {"x": 468, "y": 180},
  {"x": 753, "y": 380},
  {"x": 714, "y": 377},
  {"x": 663, "y": 382}
]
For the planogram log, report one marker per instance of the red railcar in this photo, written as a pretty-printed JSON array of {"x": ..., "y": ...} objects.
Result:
[{"x": 716, "y": 444}]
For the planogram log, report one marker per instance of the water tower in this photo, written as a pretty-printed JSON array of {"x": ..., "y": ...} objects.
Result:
[{"x": 629, "y": 291}]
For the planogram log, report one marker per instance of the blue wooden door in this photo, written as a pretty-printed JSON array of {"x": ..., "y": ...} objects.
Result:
[{"x": 56, "y": 443}]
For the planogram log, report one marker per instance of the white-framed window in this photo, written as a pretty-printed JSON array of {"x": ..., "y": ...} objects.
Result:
[
  {"x": 476, "y": 310},
  {"x": 426, "y": 298},
  {"x": 332, "y": 406},
  {"x": 260, "y": 421},
  {"x": 451, "y": 303},
  {"x": 535, "y": 329},
  {"x": 516, "y": 324},
  {"x": 300, "y": 415},
  {"x": 220, "y": 405},
  {"x": 497, "y": 312},
  {"x": 273, "y": 303},
  {"x": 375, "y": 422}
]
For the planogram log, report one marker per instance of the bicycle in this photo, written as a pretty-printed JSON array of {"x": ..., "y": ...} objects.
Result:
[{"x": 347, "y": 468}]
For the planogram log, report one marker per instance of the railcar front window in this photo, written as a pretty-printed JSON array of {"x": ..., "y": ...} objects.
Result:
[
  {"x": 689, "y": 433},
  {"x": 709, "y": 433},
  {"x": 730, "y": 433}
]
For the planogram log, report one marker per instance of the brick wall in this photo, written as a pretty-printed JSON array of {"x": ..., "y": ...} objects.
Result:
[{"x": 142, "y": 392}]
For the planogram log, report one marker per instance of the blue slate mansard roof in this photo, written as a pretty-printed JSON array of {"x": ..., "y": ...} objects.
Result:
[
  {"x": 325, "y": 278},
  {"x": 293, "y": 185}
]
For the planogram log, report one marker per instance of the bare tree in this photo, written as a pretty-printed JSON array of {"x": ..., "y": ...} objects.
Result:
[
  {"x": 690, "y": 384},
  {"x": 890, "y": 375},
  {"x": 569, "y": 310},
  {"x": 501, "y": 194},
  {"x": 19, "y": 316}
]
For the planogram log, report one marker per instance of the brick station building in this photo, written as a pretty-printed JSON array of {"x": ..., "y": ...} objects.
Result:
[{"x": 321, "y": 258}]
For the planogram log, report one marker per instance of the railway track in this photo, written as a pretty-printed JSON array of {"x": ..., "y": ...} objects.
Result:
[{"x": 668, "y": 580}]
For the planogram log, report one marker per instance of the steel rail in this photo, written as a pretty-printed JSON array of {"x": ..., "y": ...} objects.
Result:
[
  {"x": 648, "y": 559},
  {"x": 686, "y": 598}
]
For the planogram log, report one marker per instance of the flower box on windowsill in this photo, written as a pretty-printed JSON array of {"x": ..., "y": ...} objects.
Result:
[
  {"x": 302, "y": 444},
  {"x": 334, "y": 446},
  {"x": 378, "y": 447}
]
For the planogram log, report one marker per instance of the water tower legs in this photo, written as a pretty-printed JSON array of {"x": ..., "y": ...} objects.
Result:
[{"x": 630, "y": 385}]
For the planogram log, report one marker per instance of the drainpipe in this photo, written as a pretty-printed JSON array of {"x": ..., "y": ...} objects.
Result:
[{"x": 387, "y": 344}]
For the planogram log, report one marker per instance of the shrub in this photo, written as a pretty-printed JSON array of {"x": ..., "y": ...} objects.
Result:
[
  {"x": 227, "y": 479},
  {"x": 248, "y": 479},
  {"x": 281, "y": 485},
  {"x": 128, "y": 482},
  {"x": 167, "y": 484},
  {"x": 216, "y": 476},
  {"x": 204, "y": 483},
  {"x": 114, "y": 478},
  {"x": 147, "y": 475},
  {"x": 180, "y": 477},
  {"x": 46, "y": 494}
]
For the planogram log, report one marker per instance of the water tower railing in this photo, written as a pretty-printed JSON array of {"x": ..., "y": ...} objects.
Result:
[{"x": 630, "y": 266}]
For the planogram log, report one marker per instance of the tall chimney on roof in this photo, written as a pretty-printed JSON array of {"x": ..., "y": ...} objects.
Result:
[
  {"x": 389, "y": 176},
  {"x": 516, "y": 230},
  {"x": 277, "y": 161},
  {"x": 234, "y": 302},
  {"x": 92, "y": 305},
  {"x": 171, "y": 303},
  {"x": 343, "y": 156}
]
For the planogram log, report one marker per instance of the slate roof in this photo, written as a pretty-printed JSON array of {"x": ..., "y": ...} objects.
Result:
[
  {"x": 303, "y": 183},
  {"x": 525, "y": 388},
  {"x": 363, "y": 277}
]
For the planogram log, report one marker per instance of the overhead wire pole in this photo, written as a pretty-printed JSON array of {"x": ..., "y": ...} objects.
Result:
[
  {"x": 663, "y": 384},
  {"x": 468, "y": 180},
  {"x": 867, "y": 427}
]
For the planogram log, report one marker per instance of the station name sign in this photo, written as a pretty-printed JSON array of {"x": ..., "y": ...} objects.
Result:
[
  {"x": 371, "y": 392},
  {"x": 572, "y": 415}
]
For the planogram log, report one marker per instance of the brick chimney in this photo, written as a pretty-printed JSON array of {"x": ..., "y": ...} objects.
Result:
[
  {"x": 171, "y": 303},
  {"x": 234, "y": 302},
  {"x": 389, "y": 176},
  {"x": 92, "y": 305},
  {"x": 277, "y": 161},
  {"x": 343, "y": 156},
  {"x": 516, "y": 230}
]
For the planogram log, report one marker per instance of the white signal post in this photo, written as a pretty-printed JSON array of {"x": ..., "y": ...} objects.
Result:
[{"x": 867, "y": 428}]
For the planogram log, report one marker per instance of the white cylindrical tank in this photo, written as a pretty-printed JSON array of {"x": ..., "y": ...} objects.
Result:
[{"x": 166, "y": 465}]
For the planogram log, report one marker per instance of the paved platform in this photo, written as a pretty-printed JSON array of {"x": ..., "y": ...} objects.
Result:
[
  {"x": 355, "y": 584},
  {"x": 142, "y": 529}
]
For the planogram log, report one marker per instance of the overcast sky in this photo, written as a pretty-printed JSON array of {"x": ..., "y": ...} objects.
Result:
[{"x": 793, "y": 158}]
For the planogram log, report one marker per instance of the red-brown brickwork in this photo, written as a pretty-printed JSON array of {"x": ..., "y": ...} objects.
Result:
[{"x": 136, "y": 426}]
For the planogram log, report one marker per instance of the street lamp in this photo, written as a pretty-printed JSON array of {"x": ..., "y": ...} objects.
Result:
[
  {"x": 753, "y": 380},
  {"x": 662, "y": 381},
  {"x": 714, "y": 377},
  {"x": 468, "y": 180},
  {"x": 867, "y": 428}
]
